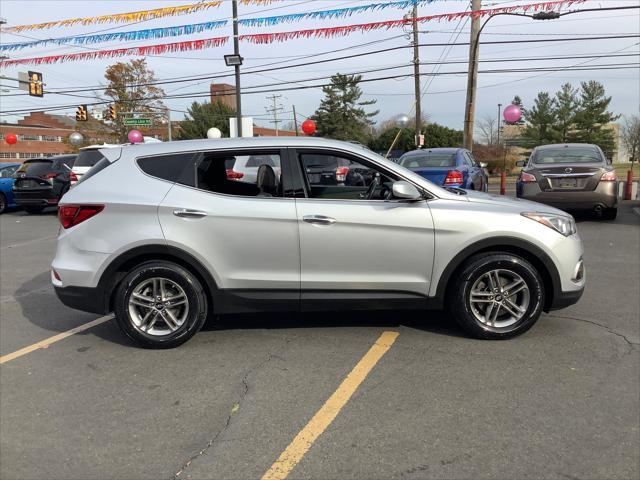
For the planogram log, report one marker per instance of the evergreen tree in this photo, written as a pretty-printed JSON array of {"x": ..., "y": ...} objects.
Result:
[
  {"x": 436, "y": 136},
  {"x": 340, "y": 114},
  {"x": 566, "y": 108},
  {"x": 592, "y": 117},
  {"x": 200, "y": 117},
  {"x": 541, "y": 120}
]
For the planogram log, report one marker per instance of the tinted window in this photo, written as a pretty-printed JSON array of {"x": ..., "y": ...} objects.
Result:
[
  {"x": 166, "y": 167},
  {"x": 214, "y": 172},
  {"x": 567, "y": 155},
  {"x": 88, "y": 158},
  {"x": 429, "y": 160},
  {"x": 63, "y": 163},
  {"x": 332, "y": 177},
  {"x": 36, "y": 167},
  {"x": 7, "y": 172}
]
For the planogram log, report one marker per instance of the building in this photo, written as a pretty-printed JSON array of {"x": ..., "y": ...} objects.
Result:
[{"x": 225, "y": 93}]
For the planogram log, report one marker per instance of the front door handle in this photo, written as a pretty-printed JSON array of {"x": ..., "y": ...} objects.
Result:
[
  {"x": 319, "y": 219},
  {"x": 188, "y": 213}
]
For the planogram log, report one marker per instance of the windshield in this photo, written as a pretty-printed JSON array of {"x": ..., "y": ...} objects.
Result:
[
  {"x": 88, "y": 158},
  {"x": 36, "y": 167},
  {"x": 567, "y": 155},
  {"x": 429, "y": 160}
]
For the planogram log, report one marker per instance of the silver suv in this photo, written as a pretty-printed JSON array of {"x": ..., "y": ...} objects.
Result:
[{"x": 162, "y": 236}]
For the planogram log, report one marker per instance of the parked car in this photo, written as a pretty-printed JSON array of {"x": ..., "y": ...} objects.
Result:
[
  {"x": 87, "y": 158},
  {"x": 448, "y": 167},
  {"x": 246, "y": 168},
  {"x": 6, "y": 185},
  {"x": 573, "y": 176},
  {"x": 41, "y": 182},
  {"x": 178, "y": 240}
]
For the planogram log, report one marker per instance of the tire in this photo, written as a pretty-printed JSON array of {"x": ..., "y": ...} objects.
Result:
[
  {"x": 183, "y": 321},
  {"x": 3, "y": 203},
  {"x": 610, "y": 214},
  {"x": 475, "y": 274},
  {"x": 34, "y": 210}
]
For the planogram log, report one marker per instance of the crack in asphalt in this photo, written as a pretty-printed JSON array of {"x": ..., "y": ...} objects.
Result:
[
  {"x": 607, "y": 328},
  {"x": 234, "y": 410}
]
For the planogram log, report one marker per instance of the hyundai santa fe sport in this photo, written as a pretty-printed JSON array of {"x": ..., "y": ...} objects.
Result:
[{"x": 180, "y": 239}]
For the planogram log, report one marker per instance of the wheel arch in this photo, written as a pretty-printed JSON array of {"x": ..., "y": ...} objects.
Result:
[
  {"x": 128, "y": 260},
  {"x": 522, "y": 248}
]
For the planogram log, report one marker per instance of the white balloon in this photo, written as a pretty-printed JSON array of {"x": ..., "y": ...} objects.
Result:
[
  {"x": 214, "y": 133},
  {"x": 402, "y": 121}
]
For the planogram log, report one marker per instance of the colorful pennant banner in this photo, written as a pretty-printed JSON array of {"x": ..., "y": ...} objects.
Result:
[{"x": 265, "y": 38}]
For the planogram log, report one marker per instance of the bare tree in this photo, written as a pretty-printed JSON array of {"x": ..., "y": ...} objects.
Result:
[
  {"x": 488, "y": 128},
  {"x": 630, "y": 135}
]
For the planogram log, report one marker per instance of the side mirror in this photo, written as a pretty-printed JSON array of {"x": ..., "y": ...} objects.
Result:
[
  {"x": 520, "y": 163},
  {"x": 484, "y": 164},
  {"x": 405, "y": 191}
]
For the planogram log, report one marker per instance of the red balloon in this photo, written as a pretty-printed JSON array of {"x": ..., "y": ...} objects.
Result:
[
  {"x": 10, "y": 138},
  {"x": 309, "y": 127}
]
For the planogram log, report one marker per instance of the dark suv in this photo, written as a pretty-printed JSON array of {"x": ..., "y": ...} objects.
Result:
[
  {"x": 573, "y": 176},
  {"x": 41, "y": 182}
]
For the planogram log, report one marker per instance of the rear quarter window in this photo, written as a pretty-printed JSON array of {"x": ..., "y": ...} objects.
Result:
[
  {"x": 166, "y": 167},
  {"x": 88, "y": 158}
]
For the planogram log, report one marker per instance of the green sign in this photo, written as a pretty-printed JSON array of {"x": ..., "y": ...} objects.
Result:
[{"x": 143, "y": 122}]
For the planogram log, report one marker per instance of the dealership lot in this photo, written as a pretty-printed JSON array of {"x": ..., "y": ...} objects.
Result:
[{"x": 561, "y": 401}]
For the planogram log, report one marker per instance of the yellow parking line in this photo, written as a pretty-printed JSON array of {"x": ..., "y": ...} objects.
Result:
[
  {"x": 329, "y": 411},
  {"x": 56, "y": 338}
]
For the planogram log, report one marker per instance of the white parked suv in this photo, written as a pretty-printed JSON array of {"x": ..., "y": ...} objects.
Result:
[
  {"x": 87, "y": 158},
  {"x": 160, "y": 234}
]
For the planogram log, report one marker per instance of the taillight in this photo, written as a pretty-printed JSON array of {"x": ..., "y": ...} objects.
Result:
[
  {"x": 453, "y": 177},
  {"x": 609, "y": 176},
  {"x": 341, "y": 174},
  {"x": 234, "y": 175},
  {"x": 72, "y": 215},
  {"x": 73, "y": 177},
  {"x": 51, "y": 175},
  {"x": 527, "y": 177}
]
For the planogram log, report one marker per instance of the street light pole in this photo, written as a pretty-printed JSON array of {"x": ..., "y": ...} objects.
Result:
[{"x": 236, "y": 52}]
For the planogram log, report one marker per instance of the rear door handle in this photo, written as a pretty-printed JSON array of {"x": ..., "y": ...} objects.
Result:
[
  {"x": 319, "y": 219},
  {"x": 188, "y": 213}
]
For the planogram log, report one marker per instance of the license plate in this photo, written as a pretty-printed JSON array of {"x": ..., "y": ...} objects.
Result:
[
  {"x": 28, "y": 184},
  {"x": 568, "y": 183}
]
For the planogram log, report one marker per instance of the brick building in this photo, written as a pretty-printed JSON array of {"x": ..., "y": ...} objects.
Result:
[{"x": 223, "y": 92}]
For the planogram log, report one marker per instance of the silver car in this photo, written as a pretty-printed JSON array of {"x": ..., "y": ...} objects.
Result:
[{"x": 162, "y": 236}]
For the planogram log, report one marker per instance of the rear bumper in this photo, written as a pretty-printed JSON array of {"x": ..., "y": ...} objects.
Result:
[
  {"x": 605, "y": 195},
  {"x": 84, "y": 298},
  {"x": 36, "y": 197}
]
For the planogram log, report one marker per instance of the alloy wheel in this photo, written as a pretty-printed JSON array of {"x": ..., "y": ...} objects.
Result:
[
  {"x": 158, "y": 306},
  {"x": 499, "y": 299}
]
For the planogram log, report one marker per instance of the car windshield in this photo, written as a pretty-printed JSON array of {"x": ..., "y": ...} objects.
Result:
[
  {"x": 88, "y": 158},
  {"x": 36, "y": 167},
  {"x": 567, "y": 155},
  {"x": 429, "y": 160}
]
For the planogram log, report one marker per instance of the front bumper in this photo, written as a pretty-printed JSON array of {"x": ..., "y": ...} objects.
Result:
[
  {"x": 605, "y": 195},
  {"x": 565, "y": 299}
]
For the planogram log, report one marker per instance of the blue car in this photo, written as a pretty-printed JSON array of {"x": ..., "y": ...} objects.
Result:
[
  {"x": 6, "y": 184},
  {"x": 447, "y": 167}
]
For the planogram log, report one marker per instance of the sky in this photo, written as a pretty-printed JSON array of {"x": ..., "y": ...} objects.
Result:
[{"x": 443, "y": 95}]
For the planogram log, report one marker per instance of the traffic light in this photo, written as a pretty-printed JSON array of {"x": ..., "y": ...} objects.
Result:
[
  {"x": 81, "y": 113},
  {"x": 111, "y": 113},
  {"x": 35, "y": 84}
]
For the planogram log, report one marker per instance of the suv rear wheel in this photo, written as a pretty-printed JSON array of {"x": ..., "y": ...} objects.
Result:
[
  {"x": 160, "y": 305},
  {"x": 497, "y": 296}
]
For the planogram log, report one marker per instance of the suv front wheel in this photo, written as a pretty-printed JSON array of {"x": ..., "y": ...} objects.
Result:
[
  {"x": 497, "y": 296},
  {"x": 160, "y": 305}
]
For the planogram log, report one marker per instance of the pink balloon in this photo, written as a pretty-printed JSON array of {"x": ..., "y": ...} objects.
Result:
[
  {"x": 135, "y": 136},
  {"x": 512, "y": 113}
]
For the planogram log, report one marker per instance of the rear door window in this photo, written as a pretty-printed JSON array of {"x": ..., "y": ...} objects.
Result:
[{"x": 35, "y": 168}]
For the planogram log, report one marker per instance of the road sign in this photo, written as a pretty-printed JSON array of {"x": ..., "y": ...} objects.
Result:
[{"x": 142, "y": 122}]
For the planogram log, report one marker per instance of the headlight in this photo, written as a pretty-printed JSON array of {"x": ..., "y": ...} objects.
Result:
[{"x": 565, "y": 225}]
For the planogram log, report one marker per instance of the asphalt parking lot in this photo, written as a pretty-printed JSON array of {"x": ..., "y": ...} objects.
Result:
[{"x": 561, "y": 401}]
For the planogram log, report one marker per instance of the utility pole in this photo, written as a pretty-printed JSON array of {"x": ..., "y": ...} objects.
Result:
[
  {"x": 295, "y": 120},
  {"x": 472, "y": 77},
  {"x": 275, "y": 110},
  {"x": 236, "y": 52},
  {"x": 169, "y": 124},
  {"x": 416, "y": 73}
]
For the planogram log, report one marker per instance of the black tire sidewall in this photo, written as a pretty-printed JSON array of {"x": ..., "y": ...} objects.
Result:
[
  {"x": 3, "y": 203},
  {"x": 478, "y": 266},
  {"x": 192, "y": 288}
]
